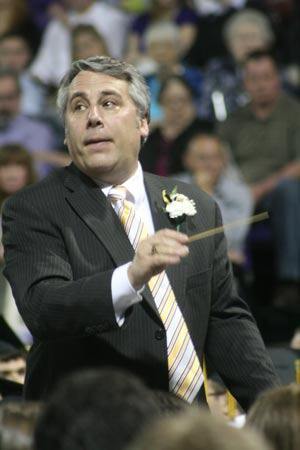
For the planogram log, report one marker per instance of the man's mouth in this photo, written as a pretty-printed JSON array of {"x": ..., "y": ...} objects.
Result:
[{"x": 96, "y": 140}]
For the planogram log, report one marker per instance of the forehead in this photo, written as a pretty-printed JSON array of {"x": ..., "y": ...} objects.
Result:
[
  {"x": 93, "y": 83},
  {"x": 206, "y": 144},
  {"x": 261, "y": 65}
]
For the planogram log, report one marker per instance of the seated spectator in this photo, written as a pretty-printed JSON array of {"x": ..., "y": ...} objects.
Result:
[
  {"x": 86, "y": 41},
  {"x": 276, "y": 415},
  {"x": 223, "y": 90},
  {"x": 16, "y": 54},
  {"x": 264, "y": 138},
  {"x": 16, "y": 172},
  {"x": 15, "y": 16},
  {"x": 17, "y": 424},
  {"x": 195, "y": 430},
  {"x": 54, "y": 55},
  {"x": 162, "y": 45},
  {"x": 12, "y": 363},
  {"x": 162, "y": 152},
  {"x": 95, "y": 409},
  {"x": 160, "y": 10},
  {"x": 16, "y": 128},
  {"x": 207, "y": 165}
]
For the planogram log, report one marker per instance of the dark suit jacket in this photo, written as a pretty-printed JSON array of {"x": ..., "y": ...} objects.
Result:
[{"x": 62, "y": 243}]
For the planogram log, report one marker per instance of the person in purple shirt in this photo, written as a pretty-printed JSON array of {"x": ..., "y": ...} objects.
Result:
[{"x": 16, "y": 128}]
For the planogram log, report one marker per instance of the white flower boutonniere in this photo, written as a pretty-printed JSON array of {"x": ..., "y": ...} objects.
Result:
[{"x": 178, "y": 206}]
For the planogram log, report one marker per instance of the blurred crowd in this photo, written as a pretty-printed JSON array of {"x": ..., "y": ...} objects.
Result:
[{"x": 224, "y": 78}]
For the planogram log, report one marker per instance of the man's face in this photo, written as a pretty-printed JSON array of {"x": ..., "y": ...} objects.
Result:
[
  {"x": 9, "y": 100},
  {"x": 262, "y": 81},
  {"x": 14, "y": 53},
  {"x": 86, "y": 44},
  {"x": 247, "y": 38},
  {"x": 204, "y": 154},
  {"x": 103, "y": 128},
  {"x": 13, "y": 177}
]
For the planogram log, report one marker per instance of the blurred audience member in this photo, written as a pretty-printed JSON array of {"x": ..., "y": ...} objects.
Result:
[
  {"x": 223, "y": 90},
  {"x": 162, "y": 152},
  {"x": 16, "y": 172},
  {"x": 170, "y": 403},
  {"x": 216, "y": 394},
  {"x": 15, "y": 16},
  {"x": 276, "y": 415},
  {"x": 16, "y": 128},
  {"x": 16, "y": 54},
  {"x": 95, "y": 409},
  {"x": 39, "y": 12},
  {"x": 54, "y": 56},
  {"x": 17, "y": 423},
  {"x": 12, "y": 363},
  {"x": 161, "y": 10},
  {"x": 86, "y": 41},
  {"x": 264, "y": 137},
  {"x": 207, "y": 165},
  {"x": 295, "y": 341},
  {"x": 162, "y": 46},
  {"x": 195, "y": 430}
]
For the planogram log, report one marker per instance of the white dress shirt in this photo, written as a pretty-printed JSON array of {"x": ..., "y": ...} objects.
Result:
[{"x": 123, "y": 294}]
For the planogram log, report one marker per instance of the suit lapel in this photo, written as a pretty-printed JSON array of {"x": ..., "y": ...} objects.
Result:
[{"x": 91, "y": 205}]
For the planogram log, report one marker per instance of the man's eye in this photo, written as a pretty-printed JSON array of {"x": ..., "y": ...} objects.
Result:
[
  {"x": 109, "y": 104},
  {"x": 79, "y": 107}
]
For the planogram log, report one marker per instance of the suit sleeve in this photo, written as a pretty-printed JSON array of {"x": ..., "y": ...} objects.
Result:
[
  {"x": 52, "y": 304},
  {"x": 234, "y": 347}
]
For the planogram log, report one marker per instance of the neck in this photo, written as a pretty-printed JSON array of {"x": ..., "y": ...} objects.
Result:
[{"x": 263, "y": 110}]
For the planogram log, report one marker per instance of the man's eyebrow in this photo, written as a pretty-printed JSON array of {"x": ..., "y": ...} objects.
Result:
[
  {"x": 101, "y": 94},
  {"x": 78, "y": 94},
  {"x": 110, "y": 92}
]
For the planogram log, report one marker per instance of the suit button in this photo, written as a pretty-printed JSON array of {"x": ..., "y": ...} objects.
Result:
[{"x": 159, "y": 334}]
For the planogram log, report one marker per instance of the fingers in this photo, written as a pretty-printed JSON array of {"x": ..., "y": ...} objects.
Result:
[{"x": 155, "y": 254}]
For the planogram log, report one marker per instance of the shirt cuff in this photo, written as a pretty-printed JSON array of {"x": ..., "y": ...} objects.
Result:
[{"x": 123, "y": 294}]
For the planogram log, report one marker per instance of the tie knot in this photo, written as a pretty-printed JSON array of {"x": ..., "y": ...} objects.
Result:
[{"x": 117, "y": 193}]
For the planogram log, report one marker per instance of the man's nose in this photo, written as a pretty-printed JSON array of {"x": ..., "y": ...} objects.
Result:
[{"x": 94, "y": 117}]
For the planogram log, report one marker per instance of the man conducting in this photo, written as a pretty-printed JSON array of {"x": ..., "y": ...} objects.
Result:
[{"x": 98, "y": 269}]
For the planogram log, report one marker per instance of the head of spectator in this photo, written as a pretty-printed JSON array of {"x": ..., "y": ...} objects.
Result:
[
  {"x": 176, "y": 99},
  {"x": 12, "y": 363},
  {"x": 12, "y": 14},
  {"x": 170, "y": 403},
  {"x": 205, "y": 159},
  {"x": 162, "y": 42},
  {"x": 195, "y": 430},
  {"x": 16, "y": 170},
  {"x": 95, "y": 409},
  {"x": 86, "y": 41},
  {"x": 262, "y": 80},
  {"x": 10, "y": 95},
  {"x": 15, "y": 52},
  {"x": 276, "y": 415},
  {"x": 78, "y": 5},
  {"x": 17, "y": 423},
  {"x": 246, "y": 31}
]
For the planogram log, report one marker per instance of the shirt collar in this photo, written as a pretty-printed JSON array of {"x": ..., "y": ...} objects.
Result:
[{"x": 134, "y": 185}]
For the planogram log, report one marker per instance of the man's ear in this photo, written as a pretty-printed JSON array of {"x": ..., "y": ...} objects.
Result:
[{"x": 144, "y": 128}]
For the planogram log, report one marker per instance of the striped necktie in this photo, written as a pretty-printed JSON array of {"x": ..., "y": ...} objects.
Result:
[{"x": 185, "y": 374}]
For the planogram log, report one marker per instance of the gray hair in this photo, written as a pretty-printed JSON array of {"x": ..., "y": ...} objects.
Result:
[
  {"x": 137, "y": 87},
  {"x": 162, "y": 31},
  {"x": 252, "y": 16}
]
